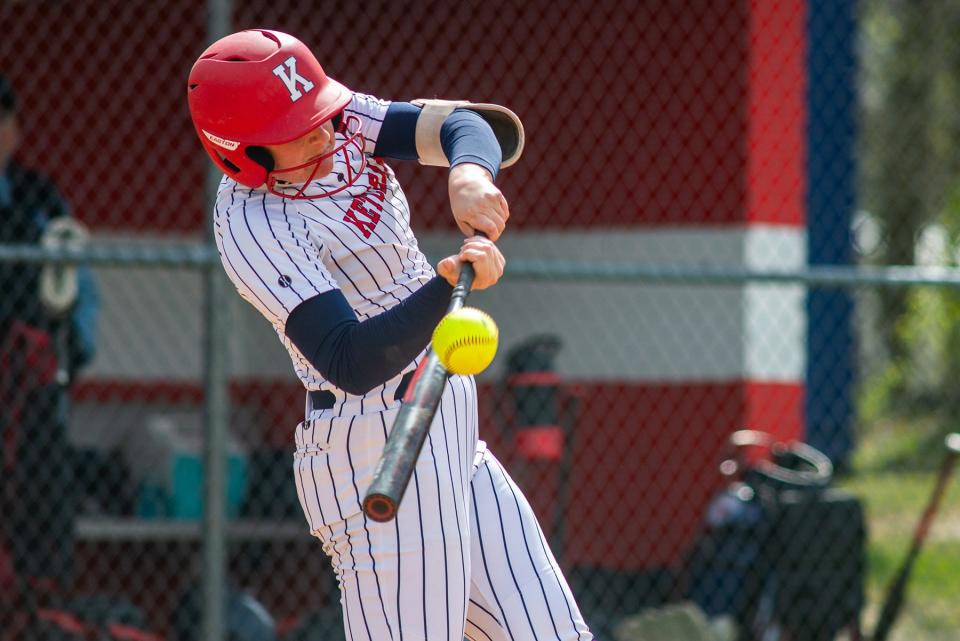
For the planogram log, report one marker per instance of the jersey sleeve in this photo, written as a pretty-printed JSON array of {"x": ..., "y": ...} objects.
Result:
[
  {"x": 371, "y": 111},
  {"x": 271, "y": 257}
]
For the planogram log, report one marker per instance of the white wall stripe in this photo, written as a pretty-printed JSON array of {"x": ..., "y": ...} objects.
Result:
[{"x": 654, "y": 333}]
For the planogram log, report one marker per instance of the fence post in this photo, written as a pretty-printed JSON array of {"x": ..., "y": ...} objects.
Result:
[{"x": 216, "y": 344}]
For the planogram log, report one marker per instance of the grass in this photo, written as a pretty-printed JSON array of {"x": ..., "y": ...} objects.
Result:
[{"x": 894, "y": 473}]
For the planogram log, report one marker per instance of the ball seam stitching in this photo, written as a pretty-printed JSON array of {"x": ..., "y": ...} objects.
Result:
[{"x": 461, "y": 342}]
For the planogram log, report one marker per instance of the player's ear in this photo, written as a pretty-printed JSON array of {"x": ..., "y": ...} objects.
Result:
[{"x": 261, "y": 156}]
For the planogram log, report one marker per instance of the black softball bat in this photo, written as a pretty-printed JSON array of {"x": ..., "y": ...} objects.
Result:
[
  {"x": 412, "y": 424},
  {"x": 898, "y": 588}
]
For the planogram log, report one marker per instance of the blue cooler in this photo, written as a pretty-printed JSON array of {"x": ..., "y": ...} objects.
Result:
[{"x": 167, "y": 461}]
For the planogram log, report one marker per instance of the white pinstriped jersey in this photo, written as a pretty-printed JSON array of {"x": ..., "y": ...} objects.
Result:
[
  {"x": 280, "y": 252},
  {"x": 464, "y": 557}
]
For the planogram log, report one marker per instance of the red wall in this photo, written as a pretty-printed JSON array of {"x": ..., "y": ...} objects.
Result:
[
  {"x": 648, "y": 115},
  {"x": 103, "y": 105}
]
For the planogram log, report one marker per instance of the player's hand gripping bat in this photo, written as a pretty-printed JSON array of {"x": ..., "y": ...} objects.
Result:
[
  {"x": 412, "y": 424},
  {"x": 895, "y": 594}
]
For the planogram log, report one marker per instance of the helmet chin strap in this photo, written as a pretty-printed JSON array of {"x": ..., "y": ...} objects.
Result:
[{"x": 352, "y": 152}]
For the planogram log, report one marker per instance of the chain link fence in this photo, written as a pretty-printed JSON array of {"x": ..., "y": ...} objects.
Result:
[{"x": 726, "y": 408}]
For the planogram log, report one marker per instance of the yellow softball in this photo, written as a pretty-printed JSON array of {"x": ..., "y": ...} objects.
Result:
[{"x": 465, "y": 340}]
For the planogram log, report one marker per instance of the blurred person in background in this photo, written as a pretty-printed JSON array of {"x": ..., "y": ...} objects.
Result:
[{"x": 42, "y": 347}]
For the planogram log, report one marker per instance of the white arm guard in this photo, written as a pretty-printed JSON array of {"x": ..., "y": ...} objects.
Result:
[{"x": 505, "y": 124}]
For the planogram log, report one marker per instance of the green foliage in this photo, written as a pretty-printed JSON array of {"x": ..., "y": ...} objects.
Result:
[
  {"x": 910, "y": 184},
  {"x": 910, "y": 169},
  {"x": 877, "y": 393},
  {"x": 894, "y": 502}
]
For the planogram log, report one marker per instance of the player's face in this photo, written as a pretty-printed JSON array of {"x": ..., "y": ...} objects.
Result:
[
  {"x": 318, "y": 142},
  {"x": 9, "y": 137}
]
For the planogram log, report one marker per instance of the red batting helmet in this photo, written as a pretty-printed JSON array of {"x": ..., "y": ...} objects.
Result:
[{"x": 260, "y": 87}]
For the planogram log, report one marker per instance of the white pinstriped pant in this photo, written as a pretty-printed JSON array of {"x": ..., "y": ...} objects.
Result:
[{"x": 465, "y": 556}]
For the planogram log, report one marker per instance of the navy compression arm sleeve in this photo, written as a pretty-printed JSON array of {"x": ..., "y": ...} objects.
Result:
[
  {"x": 464, "y": 136},
  {"x": 357, "y": 356},
  {"x": 398, "y": 132}
]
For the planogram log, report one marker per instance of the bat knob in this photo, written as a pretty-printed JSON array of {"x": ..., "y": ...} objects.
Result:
[{"x": 379, "y": 508}]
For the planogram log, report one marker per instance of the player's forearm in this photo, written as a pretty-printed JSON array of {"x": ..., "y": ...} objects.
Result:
[{"x": 357, "y": 356}]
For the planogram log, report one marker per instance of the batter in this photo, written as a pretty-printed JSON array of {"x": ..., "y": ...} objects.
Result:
[{"x": 314, "y": 231}]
